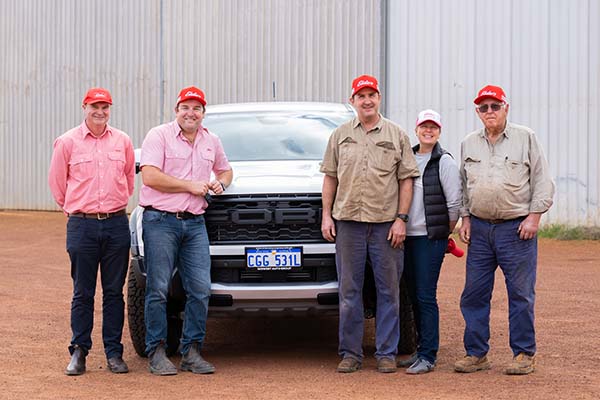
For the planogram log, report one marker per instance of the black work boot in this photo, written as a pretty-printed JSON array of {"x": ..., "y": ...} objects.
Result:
[
  {"x": 77, "y": 364},
  {"x": 117, "y": 365},
  {"x": 193, "y": 362},
  {"x": 159, "y": 364}
]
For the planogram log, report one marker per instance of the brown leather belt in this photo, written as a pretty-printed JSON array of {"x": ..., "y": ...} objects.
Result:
[
  {"x": 99, "y": 216},
  {"x": 497, "y": 221},
  {"x": 178, "y": 214}
]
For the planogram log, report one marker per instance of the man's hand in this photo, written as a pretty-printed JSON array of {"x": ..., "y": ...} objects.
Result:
[
  {"x": 529, "y": 226},
  {"x": 328, "y": 229},
  {"x": 198, "y": 188},
  {"x": 465, "y": 230},
  {"x": 397, "y": 233},
  {"x": 216, "y": 187}
]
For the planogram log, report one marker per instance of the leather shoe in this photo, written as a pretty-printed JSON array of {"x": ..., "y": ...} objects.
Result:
[
  {"x": 386, "y": 365},
  {"x": 77, "y": 364},
  {"x": 116, "y": 365},
  {"x": 348, "y": 365},
  {"x": 159, "y": 363},
  {"x": 193, "y": 362}
]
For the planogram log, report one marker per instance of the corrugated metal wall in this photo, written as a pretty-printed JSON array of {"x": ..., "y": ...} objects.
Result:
[
  {"x": 428, "y": 53},
  {"x": 544, "y": 53},
  {"x": 145, "y": 51}
]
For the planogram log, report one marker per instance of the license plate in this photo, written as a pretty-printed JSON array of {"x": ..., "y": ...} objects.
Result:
[{"x": 273, "y": 258}]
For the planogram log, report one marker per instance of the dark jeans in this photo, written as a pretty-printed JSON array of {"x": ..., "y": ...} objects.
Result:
[
  {"x": 422, "y": 264},
  {"x": 494, "y": 245},
  {"x": 92, "y": 242},
  {"x": 168, "y": 242},
  {"x": 355, "y": 241}
]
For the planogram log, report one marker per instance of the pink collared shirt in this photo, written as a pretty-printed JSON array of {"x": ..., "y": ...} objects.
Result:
[
  {"x": 92, "y": 174},
  {"x": 167, "y": 149}
]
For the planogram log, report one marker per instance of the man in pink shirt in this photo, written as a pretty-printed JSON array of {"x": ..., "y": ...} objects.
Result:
[
  {"x": 177, "y": 161},
  {"x": 91, "y": 177}
]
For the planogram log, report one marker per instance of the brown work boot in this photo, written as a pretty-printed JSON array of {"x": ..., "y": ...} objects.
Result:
[
  {"x": 386, "y": 365},
  {"x": 348, "y": 364},
  {"x": 472, "y": 364},
  {"x": 522, "y": 364}
]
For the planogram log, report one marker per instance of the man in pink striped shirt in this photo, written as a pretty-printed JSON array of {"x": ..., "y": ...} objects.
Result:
[
  {"x": 91, "y": 177},
  {"x": 177, "y": 161}
]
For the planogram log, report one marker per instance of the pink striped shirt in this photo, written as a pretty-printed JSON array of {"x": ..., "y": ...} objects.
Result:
[
  {"x": 92, "y": 174},
  {"x": 167, "y": 149}
]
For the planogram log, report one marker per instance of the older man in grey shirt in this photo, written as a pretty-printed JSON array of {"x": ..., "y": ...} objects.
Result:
[{"x": 506, "y": 188}]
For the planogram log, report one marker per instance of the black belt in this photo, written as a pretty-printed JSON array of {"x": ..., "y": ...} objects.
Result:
[
  {"x": 178, "y": 214},
  {"x": 497, "y": 221},
  {"x": 99, "y": 216}
]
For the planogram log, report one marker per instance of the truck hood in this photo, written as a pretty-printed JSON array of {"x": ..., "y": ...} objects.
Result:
[{"x": 263, "y": 177}]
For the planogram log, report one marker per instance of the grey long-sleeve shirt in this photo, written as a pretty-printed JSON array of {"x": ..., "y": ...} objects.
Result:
[{"x": 450, "y": 180}]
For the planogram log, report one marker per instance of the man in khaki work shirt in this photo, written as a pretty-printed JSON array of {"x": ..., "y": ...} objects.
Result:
[
  {"x": 506, "y": 188},
  {"x": 367, "y": 190}
]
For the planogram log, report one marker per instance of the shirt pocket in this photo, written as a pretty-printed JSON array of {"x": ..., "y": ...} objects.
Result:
[
  {"x": 175, "y": 163},
  {"x": 516, "y": 173},
  {"x": 348, "y": 152},
  {"x": 117, "y": 161},
  {"x": 384, "y": 157},
  {"x": 81, "y": 166},
  {"x": 208, "y": 155},
  {"x": 473, "y": 169}
]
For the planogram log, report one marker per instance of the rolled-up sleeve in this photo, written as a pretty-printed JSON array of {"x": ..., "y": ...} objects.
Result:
[
  {"x": 330, "y": 158},
  {"x": 221, "y": 162},
  {"x": 542, "y": 185},
  {"x": 153, "y": 150},
  {"x": 407, "y": 167},
  {"x": 58, "y": 172}
]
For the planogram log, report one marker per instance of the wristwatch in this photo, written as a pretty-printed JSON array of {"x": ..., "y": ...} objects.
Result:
[{"x": 403, "y": 217}]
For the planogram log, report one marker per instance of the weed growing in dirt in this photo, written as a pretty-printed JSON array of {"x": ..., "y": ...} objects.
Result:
[{"x": 563, "y": 232}]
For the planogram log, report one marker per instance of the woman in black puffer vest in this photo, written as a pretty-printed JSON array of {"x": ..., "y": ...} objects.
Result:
[{"x": 432, "y": 217}]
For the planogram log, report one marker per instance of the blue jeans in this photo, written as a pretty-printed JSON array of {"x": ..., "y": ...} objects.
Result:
[
  {"x": 494, "y": 245},
  {"x": 170, "y": 242},
  {"x": 355, "y": 241},
  {"x": 92, "y": 243},
  {"x": 422, "y": 264}
]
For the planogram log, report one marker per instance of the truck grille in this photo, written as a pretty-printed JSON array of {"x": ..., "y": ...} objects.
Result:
[
  {"x": 232, "y": 269},
  {"x": 253, "y": 219}
]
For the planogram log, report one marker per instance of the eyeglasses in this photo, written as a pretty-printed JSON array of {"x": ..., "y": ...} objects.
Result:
[{"x": 494, "y": 106}]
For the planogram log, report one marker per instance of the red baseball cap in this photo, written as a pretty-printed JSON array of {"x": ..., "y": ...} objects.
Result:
[
  {"x": 97, "y": 95},
  {"x": 191, "y": 93},
  {"x": 491, "y": 92},
  {"x": 364, "y": 81}
]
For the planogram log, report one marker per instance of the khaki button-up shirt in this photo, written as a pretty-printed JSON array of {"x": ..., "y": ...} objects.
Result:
[
  {"x": 368, "y": 166},
  {"x": 505, "y": 180}
]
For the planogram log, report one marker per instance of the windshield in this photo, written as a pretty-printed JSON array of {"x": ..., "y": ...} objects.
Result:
[{"x": 275, "y": 135}]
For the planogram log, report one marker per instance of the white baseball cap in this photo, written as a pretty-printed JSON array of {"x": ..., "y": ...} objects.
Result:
[{"x": 429, "y": 115}]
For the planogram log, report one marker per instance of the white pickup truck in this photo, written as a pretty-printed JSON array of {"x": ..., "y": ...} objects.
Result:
[{"x": 268, "y": 257}]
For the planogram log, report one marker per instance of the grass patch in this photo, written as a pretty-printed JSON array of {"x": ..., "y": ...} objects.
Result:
[{"x": 563, "y": 232}]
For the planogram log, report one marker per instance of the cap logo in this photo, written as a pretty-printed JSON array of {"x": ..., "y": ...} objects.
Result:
[
  {"x": 190, "y": 93},
  {"x": 488, "y": 93},
  {"x": 364, "y": 82},
  {"x": 99, "y": 95}
]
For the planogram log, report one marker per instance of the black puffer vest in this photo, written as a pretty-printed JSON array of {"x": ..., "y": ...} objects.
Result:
[{"x": 434, "y": 200}]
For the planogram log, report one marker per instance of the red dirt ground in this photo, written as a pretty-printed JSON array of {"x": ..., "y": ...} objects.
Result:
[{"x": 265, "y": 359}]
